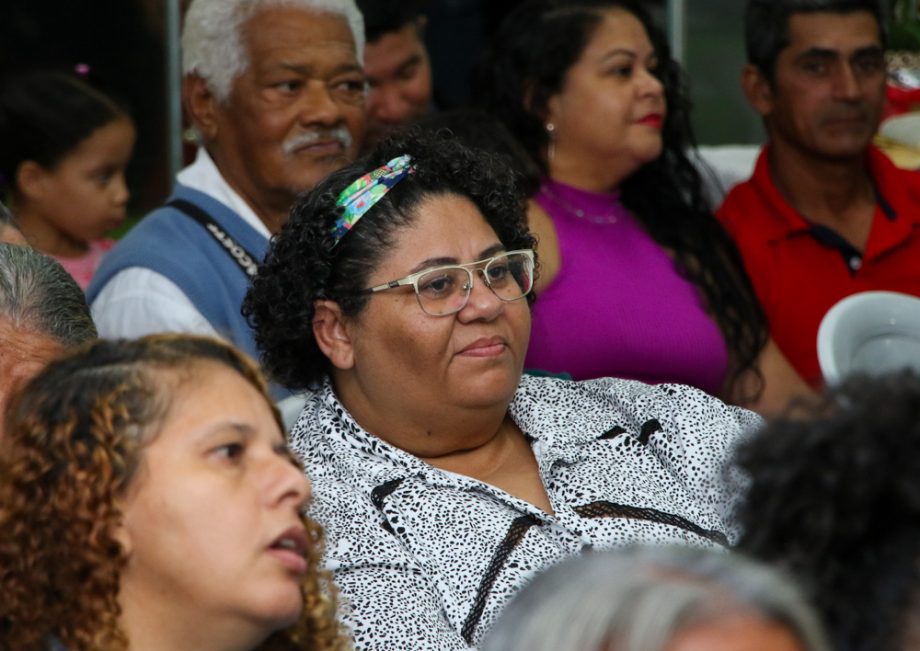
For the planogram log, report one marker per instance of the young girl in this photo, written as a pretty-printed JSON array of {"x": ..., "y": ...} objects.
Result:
[{"x": 63, "y": 158}]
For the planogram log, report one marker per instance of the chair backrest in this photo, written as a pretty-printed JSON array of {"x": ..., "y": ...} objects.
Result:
[
  {"x": 290, "y": 409},
  {"x": 870, "y": 332}
]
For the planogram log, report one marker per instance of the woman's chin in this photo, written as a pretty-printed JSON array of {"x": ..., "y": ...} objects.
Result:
[
  {"x": 492, "y": 388},
  {"x": 281, "y": 609}
]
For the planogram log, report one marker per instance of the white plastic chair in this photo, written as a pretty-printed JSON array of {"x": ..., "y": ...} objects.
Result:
[
  {"x": 870, "y": 332},
  {"x": 290, "y": 409}
]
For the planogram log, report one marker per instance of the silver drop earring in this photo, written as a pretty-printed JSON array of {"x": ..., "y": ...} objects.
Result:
[{"x": 551, "y": 148}]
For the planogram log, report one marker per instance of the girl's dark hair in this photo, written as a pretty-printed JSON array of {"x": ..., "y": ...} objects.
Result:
[
  {"x": 304, "y": 265},
  {"x": 834, "y": 499},
  {"x": 44, "y": 116},
  {"x": 527, "y": 64}
]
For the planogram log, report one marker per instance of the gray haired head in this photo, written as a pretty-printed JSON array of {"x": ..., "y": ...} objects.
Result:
[
  {"x": 766, "y": 25},
  {"x": 639, "y": 599},
  {"x": 9, "y": 229},
  {"x": 6, "y": 217},
  {"x": 38, "y": 295},
  {"x": 212, "y": 44}
]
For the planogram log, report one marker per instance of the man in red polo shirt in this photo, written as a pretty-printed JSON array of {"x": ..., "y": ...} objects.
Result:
[{"x": 826, "y": 214}]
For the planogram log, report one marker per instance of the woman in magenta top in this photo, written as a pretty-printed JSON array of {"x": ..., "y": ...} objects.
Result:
[
  {"x": 631, "y": 315},
  {"x": 637, "y": 277}
]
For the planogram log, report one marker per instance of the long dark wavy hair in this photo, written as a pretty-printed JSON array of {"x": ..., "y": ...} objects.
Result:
[
  {"x": 75, "y": 436},
  {"x": 527, "y": 64}
]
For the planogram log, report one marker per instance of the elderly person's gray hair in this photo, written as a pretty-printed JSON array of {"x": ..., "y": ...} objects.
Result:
[
  {"x": 6, "y": 217},
  {"x": 37, "y": 294},
  {"x": 212, "y": 45},
  {"x": 639, "y": 599}
]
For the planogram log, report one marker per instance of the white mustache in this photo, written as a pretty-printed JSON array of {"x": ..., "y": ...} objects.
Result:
[{"x": 339, "y": 134}]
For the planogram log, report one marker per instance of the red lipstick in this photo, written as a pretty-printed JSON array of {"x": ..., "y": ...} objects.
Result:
[{"x": 654, "y": 120}]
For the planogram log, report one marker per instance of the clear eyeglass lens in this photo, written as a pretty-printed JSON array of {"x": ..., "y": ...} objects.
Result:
[
  {"x": 510, "y": 276},
  {"x": 446, "y": 290}
]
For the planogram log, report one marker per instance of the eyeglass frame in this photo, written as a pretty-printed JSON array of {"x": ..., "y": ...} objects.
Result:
[{"x": 478, "y": 265}]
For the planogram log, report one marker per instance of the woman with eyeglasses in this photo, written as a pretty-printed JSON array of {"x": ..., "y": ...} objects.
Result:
[{"x": 399, "y": 292}]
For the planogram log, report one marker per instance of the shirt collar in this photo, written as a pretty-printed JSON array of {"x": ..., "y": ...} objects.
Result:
[
  {"x": 892, "y": 199},
  {"x": 203, "y": 175},
  {"x": 531, "y": 408}
]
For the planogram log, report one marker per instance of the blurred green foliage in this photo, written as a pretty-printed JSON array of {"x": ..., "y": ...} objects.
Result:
[{"x": 905, "y": 25}]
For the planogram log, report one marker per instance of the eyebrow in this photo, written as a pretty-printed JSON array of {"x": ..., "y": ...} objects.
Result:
[
  {"x": 492, "y": 250},
  {"x": 620, "y": 51},
  {"x": 243, "y": 429},
  {"x": 825, "y": 53},
  {"x": 309, "y": 71},
  {"x": 439, "y": 262},
  {"x": 412, "y": 60},
  {"x": 248, "y": 432},
  {"x": 870, "y": 49}
]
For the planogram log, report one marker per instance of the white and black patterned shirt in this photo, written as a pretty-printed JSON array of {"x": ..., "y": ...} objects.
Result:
[{"x": 426, "y": 559}]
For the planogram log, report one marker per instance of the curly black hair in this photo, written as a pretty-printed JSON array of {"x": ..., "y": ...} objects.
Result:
[
  {"x": 304, "y": 264},
  {"x": 527, "y": 64},
  {"x": 835, "y": 499}
]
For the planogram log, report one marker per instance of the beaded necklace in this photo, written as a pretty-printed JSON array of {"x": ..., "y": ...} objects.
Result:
[{"x": 611, "y": 215}]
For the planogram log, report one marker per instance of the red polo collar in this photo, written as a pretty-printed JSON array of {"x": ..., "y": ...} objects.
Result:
[{"x": 896, "y": 212}]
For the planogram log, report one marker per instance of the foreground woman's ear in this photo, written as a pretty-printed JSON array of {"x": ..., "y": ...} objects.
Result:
[
  {"x": 122, "y": 537},
  {"x": 331, "y": 334}
]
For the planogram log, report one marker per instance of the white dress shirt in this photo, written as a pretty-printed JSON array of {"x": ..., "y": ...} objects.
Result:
[{"x": 138, "y": 301}]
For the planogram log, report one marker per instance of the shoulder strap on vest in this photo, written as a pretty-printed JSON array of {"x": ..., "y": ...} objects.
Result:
[{"x": 243, "y": 258}]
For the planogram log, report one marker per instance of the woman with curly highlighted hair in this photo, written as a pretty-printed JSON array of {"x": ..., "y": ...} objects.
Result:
[
  {"x": 149, "y": 501},
  {"x": 400, "y": 292}
]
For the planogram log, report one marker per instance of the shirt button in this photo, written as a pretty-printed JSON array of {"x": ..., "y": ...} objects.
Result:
[{"x": 855, "y": 263}]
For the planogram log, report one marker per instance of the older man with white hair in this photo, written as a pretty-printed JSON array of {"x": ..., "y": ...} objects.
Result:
[{"x": 276, "y": 90}]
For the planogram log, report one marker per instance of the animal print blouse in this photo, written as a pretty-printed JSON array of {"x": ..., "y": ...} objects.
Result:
[{"x": 426, "y": 559}]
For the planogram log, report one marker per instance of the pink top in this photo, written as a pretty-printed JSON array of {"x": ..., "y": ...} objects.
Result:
[
  {"x": 618, "y": 307},
  {"x": 83, "y": 267}
]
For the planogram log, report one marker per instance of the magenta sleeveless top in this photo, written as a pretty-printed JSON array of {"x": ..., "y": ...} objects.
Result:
[{"x": 618, "y": 307}]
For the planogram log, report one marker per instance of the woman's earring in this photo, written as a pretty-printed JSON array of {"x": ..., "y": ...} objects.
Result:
[{"x": 551, "y": 148}]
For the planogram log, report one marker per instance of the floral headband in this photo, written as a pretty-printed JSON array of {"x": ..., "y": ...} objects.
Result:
[{"x": 363, "y": 194}]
